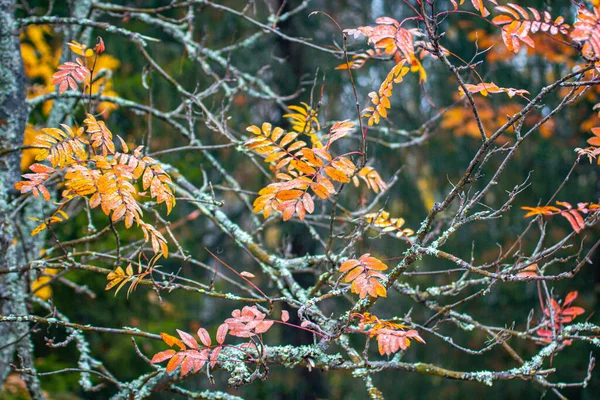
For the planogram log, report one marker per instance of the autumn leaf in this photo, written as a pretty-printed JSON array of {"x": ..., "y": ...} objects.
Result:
[
  {"x": 61, "y": 147},
  {"x": 571, "y": 214},
  {"x": 380, "y": 99},
  {"x": 365, "y": 276},
  {"x": 35, "y": 182},
  {"x": 556, "y": 316},
  {"x": 587, "y": 30},
  {"x": 304, "y": 120},
  {"x": 478, "y": 4},
  {"x": 390, "y": 341},
  {"x": 391, "y": 336},
  {"x": 371, "y": 177},
  {"x": 540, "y": 210},
  {"x": 383, "y": 221},
  {"x": 486, "y": 88},
  {"x": 100, "y": 136},
  {"x": 204, "y": 337},
  {"x": 517, "y": 23},
  {"x": 69, "y": 74},
  {"x": 163, "y": 356},
  {"x": 595, "y": 141},
  {"x": 222, "y": 333},
  {"x": 248, "y": 322},
  {"x": 339, "y": 130},
  {"x": 172, "y": 341},
  {"x": 188, "y": 339}
]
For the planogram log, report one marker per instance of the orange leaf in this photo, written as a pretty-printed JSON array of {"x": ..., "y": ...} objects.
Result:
[
  {"x": 172, "y": 340},
  {"x": 162, "y": 356}
]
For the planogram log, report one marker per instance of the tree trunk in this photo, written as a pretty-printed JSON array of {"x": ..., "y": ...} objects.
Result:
[{"x": 13, "y": 285}]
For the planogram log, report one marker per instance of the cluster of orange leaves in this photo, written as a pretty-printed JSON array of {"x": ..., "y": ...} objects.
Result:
[
  {"x": 299, "y": 168},
  {"x": 587, "y": 30},
  {"x": 365, "y": 276},
  {"x": 518, "y": 23},
  {"x": 389, "y": 39},
  {"x": 573, "y": 215},
  {"x": 488, "y": 88},
  {"x": 556, "y": 316},
  {"x": 94, "y": 170},
  {"x": 461, "y": 121},
  {"x": 191, "y": 356},
  {"x": 245, "y": 323},
  {"x": 391, "y": 336}
]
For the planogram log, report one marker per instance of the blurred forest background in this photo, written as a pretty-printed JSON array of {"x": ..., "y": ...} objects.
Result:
[{"x": 428, "y": 170}]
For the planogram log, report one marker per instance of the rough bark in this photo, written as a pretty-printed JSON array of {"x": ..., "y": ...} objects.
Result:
[{"x": 13, "y": 117}]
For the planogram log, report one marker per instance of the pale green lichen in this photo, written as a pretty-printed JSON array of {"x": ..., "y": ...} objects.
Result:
[
  {"x": 485, "y": 377},
  {"x": 465, "y": 327}
]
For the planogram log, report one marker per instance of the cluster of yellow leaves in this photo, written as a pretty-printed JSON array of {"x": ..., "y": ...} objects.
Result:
[
  {"x": 518, "y": 23},
  {"x": 299, "y": 168},
  {"x": 371, "y": 178},
  {"x": 383, "y": 221},
  {"x": 93, "y": 169},
  {"x": 304, "y": 120},
  {"x": 365, "y": 276},
  {"x": 391, "y": 336},
  {"x": 41, "y": 286},
  {"x": 41, "y": 61},
  {"x": 381, "y": 99},
  {"x": 122, "y": 277},
  {"x": 571, "y": 214},
  {"x": 58, "y": 216}
]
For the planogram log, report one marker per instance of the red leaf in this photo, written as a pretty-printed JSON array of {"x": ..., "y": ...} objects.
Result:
[
  {"x": 544, "y": 333},
  {"x": 573, "y": 311},
  {"x": 68, "y": 73},
  {"x": 187, "y": 366},
  {"x": 263, "y": 326},
  {"x": 572, "y": 220},
  {"x": 99, "y": 47},
  {"x": 214, "y": 356},
  {"x": 201, "y": 360},
  {"x": 204, "y": 337},
  {"x": 285, "y": 316},
  {"x": 188, "y": 339},
  {"x": 222, "y": 333},
  {"x": 570, "y": 298},
  {"x": 162, "y": 356}
]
